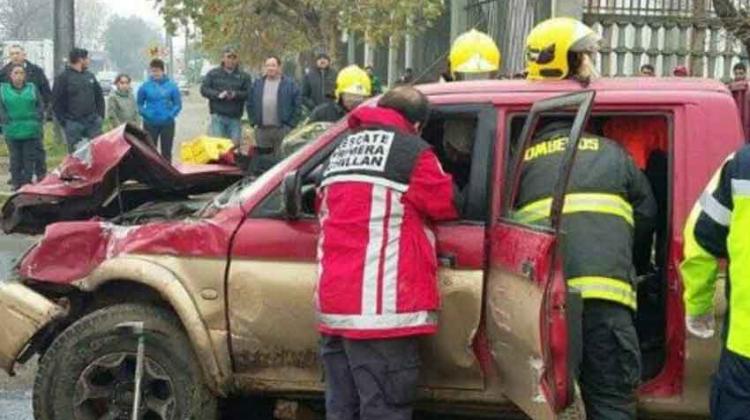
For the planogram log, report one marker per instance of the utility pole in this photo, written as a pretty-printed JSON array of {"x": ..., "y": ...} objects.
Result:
[
  {"x": 393, "y": 72},
  {"x": 187, "y": 51},
  {"x": 351, "y": 48},
  {"x": 170, "y": 48},
  {"x": 459, "y": 19},
  {"x": 64, "y": 37}
]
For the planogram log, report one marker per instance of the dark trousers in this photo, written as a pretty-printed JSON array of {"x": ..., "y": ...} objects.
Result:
[
  {"x": 370, "y": 379},
  {"x": 24, "y": 156},
  {"x": 162, "y": 136},
  {"x": 40, "y": 161},
  {"x": 730, "y": 393},
  {"x": 611, "y": 362},
  {"x": 268, "y": 139},
  {"x": 86, "y": 128}
]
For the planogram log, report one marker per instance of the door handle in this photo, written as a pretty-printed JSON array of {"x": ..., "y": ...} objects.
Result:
[{"x": 447, "y": 260}]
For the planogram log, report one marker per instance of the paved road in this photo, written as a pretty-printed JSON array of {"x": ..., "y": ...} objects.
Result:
[{"x": 193, "y": 121}]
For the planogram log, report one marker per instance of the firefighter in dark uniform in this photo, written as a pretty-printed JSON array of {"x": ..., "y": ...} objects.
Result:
[
  {"x": 609, "y": 205},
  {"x": 353, "y": 87},
  {"x": 719, "y": 227}
]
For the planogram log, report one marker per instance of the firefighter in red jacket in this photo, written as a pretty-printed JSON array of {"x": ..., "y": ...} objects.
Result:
[{"x": 377, "y": 289}]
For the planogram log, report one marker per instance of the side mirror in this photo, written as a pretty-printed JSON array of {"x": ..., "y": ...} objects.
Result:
[{"x": 292, "y": 195}]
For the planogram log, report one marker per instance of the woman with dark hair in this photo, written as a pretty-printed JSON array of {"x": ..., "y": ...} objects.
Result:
[
  {"x": 22, "y": 116},
  {"x": 159, "y": 102},
  {"x": 121, "y": 106}
]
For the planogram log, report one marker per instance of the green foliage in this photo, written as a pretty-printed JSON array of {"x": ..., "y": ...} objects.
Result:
[
  {"x": 261, "y": 27},
  {"x": 127, "y": 40}
]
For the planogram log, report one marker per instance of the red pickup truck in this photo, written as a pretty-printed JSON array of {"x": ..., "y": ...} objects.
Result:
[{"x": 227, "y": 290}]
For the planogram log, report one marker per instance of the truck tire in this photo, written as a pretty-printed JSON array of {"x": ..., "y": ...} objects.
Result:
[{"x": 88, "y": 372}]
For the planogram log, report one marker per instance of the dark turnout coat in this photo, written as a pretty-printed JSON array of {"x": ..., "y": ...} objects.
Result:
[{"x": 609, "y": 205}]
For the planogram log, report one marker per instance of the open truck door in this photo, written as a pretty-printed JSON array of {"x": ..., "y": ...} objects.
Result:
[{"x": 533, "y": 320}]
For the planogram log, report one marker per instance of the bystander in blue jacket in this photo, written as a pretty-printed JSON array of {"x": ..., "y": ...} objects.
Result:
[{"x": 159, "y": 103}]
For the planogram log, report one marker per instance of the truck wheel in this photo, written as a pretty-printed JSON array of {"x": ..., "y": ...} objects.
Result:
[{"x": 89, "y": 370}]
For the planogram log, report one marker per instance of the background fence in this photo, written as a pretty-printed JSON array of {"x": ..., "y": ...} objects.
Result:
[{"x": 664, "y": 33}]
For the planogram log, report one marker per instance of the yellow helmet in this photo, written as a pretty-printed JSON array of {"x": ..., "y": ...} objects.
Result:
[
  {"x": 474, "y": 52},
  {"x": 354, "y": 80},
  {"x": 548, "y": 44}
]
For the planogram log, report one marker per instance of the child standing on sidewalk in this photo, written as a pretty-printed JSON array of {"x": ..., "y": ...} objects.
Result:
[
  {"x": 22, "y": 116},
  {"x": 121, "y": 106}
]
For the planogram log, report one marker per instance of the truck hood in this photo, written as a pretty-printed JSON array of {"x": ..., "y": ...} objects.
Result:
[
  {"x": 70, "y": 251},
  {"x": 107, "y": 177}
]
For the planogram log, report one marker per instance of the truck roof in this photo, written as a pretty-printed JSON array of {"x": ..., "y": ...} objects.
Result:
[{"x": 632, "y": 85}]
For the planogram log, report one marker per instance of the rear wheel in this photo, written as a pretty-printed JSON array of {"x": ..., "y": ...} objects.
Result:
[{"x": 89, "y": 371}]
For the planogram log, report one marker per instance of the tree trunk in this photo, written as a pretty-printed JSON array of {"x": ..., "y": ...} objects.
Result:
[
  {"x": 698, "y": 43},
  {"x": 738, "y": 25},
  {"x": 64, "y": 32}
]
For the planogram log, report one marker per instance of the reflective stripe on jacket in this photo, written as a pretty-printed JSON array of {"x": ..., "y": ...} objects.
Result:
[
  {"x": 609, "y": 201},
  {"x": 381, "y": 188},
  {"x": 719, "y": 227}
]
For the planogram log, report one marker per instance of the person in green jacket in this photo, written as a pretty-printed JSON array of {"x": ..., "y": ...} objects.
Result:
[
  {"x": 121, "y": 106},
  {"x": 22, "y": 116}
]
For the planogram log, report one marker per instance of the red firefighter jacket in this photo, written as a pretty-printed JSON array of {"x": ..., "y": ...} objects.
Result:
[{"x": 380, "y": 190}]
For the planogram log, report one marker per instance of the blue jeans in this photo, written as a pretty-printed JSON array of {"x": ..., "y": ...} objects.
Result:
[
  {"x": 226, "y": 127},
  {"x": 86, "y": 128}
]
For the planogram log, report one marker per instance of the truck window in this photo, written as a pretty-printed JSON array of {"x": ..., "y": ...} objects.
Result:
[
  {"x": 463, "y": 138},
  {"x": 460, "y": 138},
  {"x": 647, "y": 138}
]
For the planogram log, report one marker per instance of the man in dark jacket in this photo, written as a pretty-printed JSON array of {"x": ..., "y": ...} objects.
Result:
[
  {"x": 273, "y": 107},
  {"x": 353, "y": 86},
  {"x": 226, "y": 88},
  {"x": 78, "y": 101},
  {"x": 608, "y": 206},
  {"x": 34, "y": 73},
  {"x": 319, "y": 83}
]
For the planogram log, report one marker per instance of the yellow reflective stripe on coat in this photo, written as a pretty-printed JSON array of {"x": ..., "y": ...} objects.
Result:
[
  {"x": 614, "y": 290},
  {"x": 738, "y": 246},
  {"x": 575, "y": 203},
  {"x": 699, "y": 269}
]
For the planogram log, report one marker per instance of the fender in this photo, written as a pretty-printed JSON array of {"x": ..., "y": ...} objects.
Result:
[{"x": 215, "y": 367}]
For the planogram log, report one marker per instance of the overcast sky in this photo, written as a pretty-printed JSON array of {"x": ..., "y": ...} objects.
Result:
[{"x": 143, "y": 8}]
